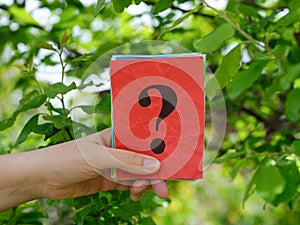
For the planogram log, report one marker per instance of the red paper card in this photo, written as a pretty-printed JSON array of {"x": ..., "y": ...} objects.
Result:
[{"x": 158, "y": 110}]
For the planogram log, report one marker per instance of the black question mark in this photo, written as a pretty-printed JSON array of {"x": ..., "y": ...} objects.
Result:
[{"x": 169, "y": 102}]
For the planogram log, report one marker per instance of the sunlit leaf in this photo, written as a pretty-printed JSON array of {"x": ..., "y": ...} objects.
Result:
[
  {"x": 59, "y": 121},
  {"x": 98, "y": 7},
  {"x": 215, "y": 39},
  {"x": 244, "y": 79},
  {"x": 53, "y": 90},
  {"x": 269, "y": 181},
  {"x": 229, "y": 66},
  {"x": 231, "y": 153},
  {"x": 162, "y": 5},
  {"x": 22, "y": 16}
]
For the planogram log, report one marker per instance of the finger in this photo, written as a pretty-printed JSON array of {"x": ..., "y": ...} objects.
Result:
[
  {"x": 160, "y": 187},
  {"x": 100, "y": 157},
  {"x": 135, "y": 197},
  {"x": 131, "y": 162},
  {"x": 126, "y": 160},
  {"x": 140, "y": 186},
  {"x": 105, "y": 136}
]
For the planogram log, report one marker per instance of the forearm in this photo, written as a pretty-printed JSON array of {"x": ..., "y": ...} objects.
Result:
[
  {"x": 35, "y": 174},
  {"x": 68, "y": 170},
  {"x": 20, "y": 178}
]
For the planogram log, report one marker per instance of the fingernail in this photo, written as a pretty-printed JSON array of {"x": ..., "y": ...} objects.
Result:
[{"x": 150, "y": 163}]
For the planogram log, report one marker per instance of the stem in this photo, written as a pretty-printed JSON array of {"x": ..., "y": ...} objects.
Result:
[
  {"x": 38, "y": 85},
  {"x": 236, "y": 26},
  {"x": 42, "y": 92},
  {"x": 268, "y": 154},
  {"x": 63, "y": 66},
  {"x": 67, "y": 129}
]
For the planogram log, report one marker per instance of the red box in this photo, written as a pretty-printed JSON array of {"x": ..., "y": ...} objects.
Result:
[{"x": 158, "y": 110}]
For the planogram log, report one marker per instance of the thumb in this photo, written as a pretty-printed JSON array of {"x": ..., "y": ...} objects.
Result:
[{"x": 132, "y": 162}]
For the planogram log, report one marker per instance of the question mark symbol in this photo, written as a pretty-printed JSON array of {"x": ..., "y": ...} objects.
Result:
[{"x": 169, "y": 101}]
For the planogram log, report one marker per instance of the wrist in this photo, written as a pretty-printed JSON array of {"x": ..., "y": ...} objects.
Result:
[{"x": 64, "y": 166}]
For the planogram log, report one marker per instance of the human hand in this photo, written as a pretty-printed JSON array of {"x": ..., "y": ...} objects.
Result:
[{"x": 82, "y": 167}]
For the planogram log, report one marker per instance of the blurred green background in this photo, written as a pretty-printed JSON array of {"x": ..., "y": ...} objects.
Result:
[{"x": 253, "y": 50}]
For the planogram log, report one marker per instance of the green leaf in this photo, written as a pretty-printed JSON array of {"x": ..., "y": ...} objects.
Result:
[
  {"x": 4, "y": 124},
  {"x": 229, "y": 66},
  {"x": 33, "y": 103},
  {"x": 59, "y": 121},
  {"x": 226, "y": 71},
  {"x": 290, "y": 173},
  {"x": 104, "y": 105},
  {"x": 231, "y": 153},
  {"x": 27, "y": 129},
  {"x": 162, "y": 5},
  {"x": 292, "y": 105},
  {"x": 294, "y": 5},
  {"x": 28, "y": 96},
  {"x": 290, "y": 18},
  {"x": 120, "y": 5},
  {"x": 22, "y": 16},
  {"x": 126, "y": 211},
  {"x": 250, "y": 189},
  {"x": 64, "y": 38},
  {"x": 244, "y": 79},
  {"x": 269, "y": 181},
  {"x": 44, "y": 46},
  {"x": 47, "y": 129},
  {"x": 235, "y": 169},
  {"x": 214, "y": 40},
  {"x": 81, "y": 202},
  {"x": 89, "y": 109},
  {"x": 20, "y": 66},
  {"x": 182, "y": 18},
  {"x": 137, "y": 1},
  {"x": 248, "y": 10},
  {"x": 98, "y": 7},
  {"x": 296, "y": 147},
  {"x": 59, "y": 137},
  {"x": 148, "y": 221},
  {"x": 83, "y": 86},
  {"x": 58, "y": 88}
]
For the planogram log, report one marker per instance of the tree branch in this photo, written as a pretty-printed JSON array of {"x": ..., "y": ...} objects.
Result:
[
  {"x": 236, "y": 26},
  {"x": 182, "y": 10},
  {"x": 194, "y": 13}
]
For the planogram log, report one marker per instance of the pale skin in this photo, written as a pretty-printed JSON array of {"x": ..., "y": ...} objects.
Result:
[{"x": 73, "y": 169}]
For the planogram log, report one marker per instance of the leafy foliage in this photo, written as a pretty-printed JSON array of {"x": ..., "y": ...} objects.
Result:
[{"x": 253, "y": 47}]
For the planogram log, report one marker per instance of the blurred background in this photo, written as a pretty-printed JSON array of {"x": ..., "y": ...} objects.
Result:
[{"x": 253, "y": 52}]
